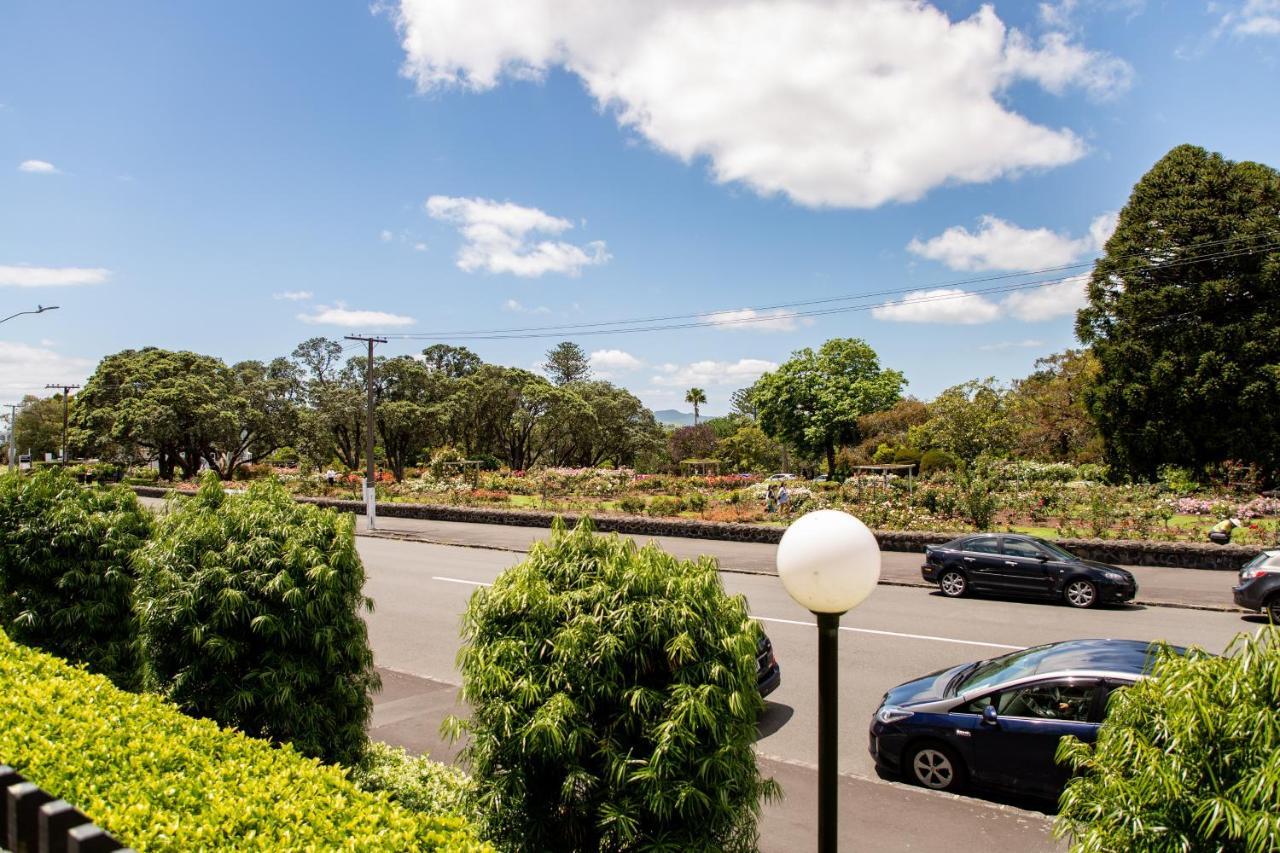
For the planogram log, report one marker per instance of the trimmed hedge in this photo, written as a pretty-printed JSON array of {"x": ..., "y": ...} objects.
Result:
[
  {"x": 250, "y": 615},
  {"x": 66, "y": 569},
  {"x": 160, "y": 780}
]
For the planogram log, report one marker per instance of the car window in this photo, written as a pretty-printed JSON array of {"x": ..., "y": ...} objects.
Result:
[
  {"x": 1022, "y": 548},
  {"x": 976, "y": 706},
  {"x": 983, "y": 545},
  {"x": 1048, "y": 702}
]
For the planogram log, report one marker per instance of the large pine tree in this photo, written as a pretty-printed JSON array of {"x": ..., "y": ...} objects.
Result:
[{"x": 1184, "y": 318}]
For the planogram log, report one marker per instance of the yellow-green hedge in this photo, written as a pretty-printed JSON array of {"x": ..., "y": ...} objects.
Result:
[{"x": 160, "y": 780}]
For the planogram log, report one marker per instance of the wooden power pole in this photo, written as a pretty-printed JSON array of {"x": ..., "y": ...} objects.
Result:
[
  {"x": 66, "y": 392},
  {"x": 370, "y": 480}
]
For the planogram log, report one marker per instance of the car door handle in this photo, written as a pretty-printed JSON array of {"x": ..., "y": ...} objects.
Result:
[
  {"x": 968, "y": 559},
  {"x": 1010, "y": 563}
]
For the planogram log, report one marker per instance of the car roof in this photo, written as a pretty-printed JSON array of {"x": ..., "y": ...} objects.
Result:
[{"x": 1099, "y": 658}]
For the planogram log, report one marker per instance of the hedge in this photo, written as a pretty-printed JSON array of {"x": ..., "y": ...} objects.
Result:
[{"x": 160, "y": 780}]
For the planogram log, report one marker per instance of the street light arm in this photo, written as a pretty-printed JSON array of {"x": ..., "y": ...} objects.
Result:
[{"x": 40, "y": 309}]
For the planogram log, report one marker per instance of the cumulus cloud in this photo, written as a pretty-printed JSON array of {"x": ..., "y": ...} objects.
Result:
[
  {"x": 1253, "y": 18},
  {"x": 25, "y": 369},
  {"x": 340, "y": 315},
  {"x": 744, "y": 371},
  {"x": 37, "y": 167},
  {"x": 499, "y": 238},
  {"x": 27, "y": 276},
  {"x": 751, "y": 320},
  {"x": 847, "y": 103},
  {"x": 516, "y": 308},
  {"x": 294, "y": 295},
  {"x": 609, "y": 362},
  {"x": 950, "y": 305},
  {"x": 1001, "y": 245},
  {"x": 1045, "y": 303}
]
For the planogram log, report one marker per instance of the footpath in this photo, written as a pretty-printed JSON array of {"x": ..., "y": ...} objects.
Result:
[{"x": 875, "y": 815}]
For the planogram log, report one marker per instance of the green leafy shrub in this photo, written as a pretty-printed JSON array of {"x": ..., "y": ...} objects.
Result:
[
  {"x": 66, "y": 570},
  {"x": 142, "y": 476},
  {"x": 160, "y": 780},
  {"x": 614, "y": 703},
  {"x": 906, "y": 456},
  {"x": 978, "y": 501},
  {"x": 695, "y": 501},
  {"x": 1188, "y": 759},
  {"x": 250, "y": 614},
  {"x": 937, "y": 460},
  {"x": 661, "y": 505},
  {"x": 415, "y": 782},
  {"x": 631, "y": 504}
]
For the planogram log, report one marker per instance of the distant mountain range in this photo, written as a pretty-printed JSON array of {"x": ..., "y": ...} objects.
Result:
[{"x": 672, "y": 417}]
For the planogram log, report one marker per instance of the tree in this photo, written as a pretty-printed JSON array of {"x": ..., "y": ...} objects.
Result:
[
  {"x": 1049, "y": 413},
  {"x": 1187, "y": 758},
  {"x": 262, "y": 399},
  {"x": 38, "y": 427},
  {"x": 612, "y": 425},
  {"x": 697, "y": 397},
  {"x": 691, "y": 442},
  {"x": 567, "y": 363},
  {"x": 409, "y": 412},
  {"x": 512, "y": 412},
  {"x": 613, "y": 701},
  {"x": 891, "y": 426},
  {"x": 814, "y": 399},
  {"x": 1182, "y": 318},
  {"x": 968, "y": 420},
  {"x": 748, "y": 450},
  {"x": 453, "y": 362},
  {"x": 744, "y": 403}
]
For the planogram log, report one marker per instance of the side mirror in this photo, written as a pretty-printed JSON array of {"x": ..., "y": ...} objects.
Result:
[
  {"x": 1044, "y": 558},
  {"x": 989, "y": 715}
]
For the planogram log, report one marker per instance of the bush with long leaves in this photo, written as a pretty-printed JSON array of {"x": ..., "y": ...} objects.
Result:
[
  {"x": 66, "y": 573},
  {"x": 1186, "y": 760},
  {"x": 250, "y": 615},
  {"x": 614, "y": 702}
]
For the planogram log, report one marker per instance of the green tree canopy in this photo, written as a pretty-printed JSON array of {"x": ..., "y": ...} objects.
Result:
[
  {"x": 814, "y": 399},
  {"x": 1048, "y": 408},
  {"x": 566, "y": 362},
  {"x": 968, "y": 420},
  {"x": 1182, "y": 317},
  {"x": 38, "y": 427},
  {"x": 695, "y": 397}
]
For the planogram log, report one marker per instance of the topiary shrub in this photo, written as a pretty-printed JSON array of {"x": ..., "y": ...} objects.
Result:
[
  {"x": 1188, "y": 759},
  {"x": 614, "y": 703},
  {"x": 250, "y": 614},
  {"x": 160, "y": 780},
  {"x": 937, "y": 460},
  {"x": 66, "y": 570},
  {"x": 661, "y": 505}
]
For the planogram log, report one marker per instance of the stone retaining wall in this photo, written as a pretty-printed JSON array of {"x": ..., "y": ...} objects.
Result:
[{"x": 1182, "y": 555}]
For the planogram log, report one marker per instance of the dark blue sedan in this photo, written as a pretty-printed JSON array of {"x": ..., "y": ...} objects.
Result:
[{"x": 997, "y": 722}]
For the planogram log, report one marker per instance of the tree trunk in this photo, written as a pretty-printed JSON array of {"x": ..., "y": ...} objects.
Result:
[{"x": 831, "y": 459}]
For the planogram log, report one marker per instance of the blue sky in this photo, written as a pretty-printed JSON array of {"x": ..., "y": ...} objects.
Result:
[{"x": 169, "y": 172}]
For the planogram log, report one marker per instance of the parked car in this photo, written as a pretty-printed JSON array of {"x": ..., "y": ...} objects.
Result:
[
  {"x": 1259, "y": 587},
  {"x": 768, "y": 672},
  {"x": 780, "y": 477},
  {"x": 1013, "y": 564},
  {"x": 997, "y": 722}
]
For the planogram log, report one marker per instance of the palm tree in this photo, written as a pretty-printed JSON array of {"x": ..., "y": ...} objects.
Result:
[{"x": 696, "y": 396}]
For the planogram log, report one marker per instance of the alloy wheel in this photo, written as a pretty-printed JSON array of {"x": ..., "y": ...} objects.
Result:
[
  {"x": 1081, "y": 594},
  {"x": 933, "y": 769},
  {"x": 953, "y": 584}
]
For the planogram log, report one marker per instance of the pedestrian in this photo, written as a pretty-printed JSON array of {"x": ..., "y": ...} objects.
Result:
[
  {"x": 784, "y": 499},
  {"x": 331, "y": 476},
  {"x": 771, "y": 499},
  {"x": 1221, "y": 532}
]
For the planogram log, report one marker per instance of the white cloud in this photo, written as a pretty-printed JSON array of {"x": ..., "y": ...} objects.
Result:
[
  {"x": 1001, "y": 245},
  {"x": 39, "y": 167},
  {"x": 1029, "y": 343},
  {"x": 419, "y": 246},
  {"x": 1045, "y": 303},
  {"x": 1253, "y": 18},
  {"x": 26, "y": 276},
  {"x": 609, "y": 362},
  {"x": 744, "y": 371},
  {"x": 950, "y": 305},
  {"x": 848, "y": 103},
  {"x": 499, "y": 236},
  {"x": 25, "y": 369},
  {"x": 386, "y": 236},
  {"x": 294, "y": 295},
  {"x": 340, "y": 315},
  {"x": 516, "y": 308},
  {"x": 751, "y": 320}
]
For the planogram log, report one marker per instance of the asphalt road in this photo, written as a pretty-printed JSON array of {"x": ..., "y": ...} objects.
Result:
[{"x": 420, "y": 591}]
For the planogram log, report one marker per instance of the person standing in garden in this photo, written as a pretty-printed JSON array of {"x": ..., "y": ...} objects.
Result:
[
  {"x": 1221, "y": 532},
  {"x": 784, "y": 499},
  {"x": 771, "y": 499}
]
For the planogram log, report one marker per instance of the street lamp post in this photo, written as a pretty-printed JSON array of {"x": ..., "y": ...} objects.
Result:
[
  {"x": 40, "y": 309},
  {"x": 829, "y": 562}
]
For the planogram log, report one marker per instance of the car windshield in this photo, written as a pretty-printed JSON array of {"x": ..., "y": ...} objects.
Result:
[
  {"x": 1055, "y": 551},
  {"x": 1003, "y": 668}
]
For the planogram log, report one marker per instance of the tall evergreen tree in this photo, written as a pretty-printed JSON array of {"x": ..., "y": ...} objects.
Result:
[
  {"x": 1183, "y": 315},
  {"x": 566, "y": 362}
]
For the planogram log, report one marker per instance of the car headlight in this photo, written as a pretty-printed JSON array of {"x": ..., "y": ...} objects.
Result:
[
  {"x": 889, "y": 714},
  {"x": 1115, "y": 577}
]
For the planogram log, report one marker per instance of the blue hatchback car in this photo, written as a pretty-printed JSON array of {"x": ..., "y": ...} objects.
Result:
[{"x": 997, "y": 722}]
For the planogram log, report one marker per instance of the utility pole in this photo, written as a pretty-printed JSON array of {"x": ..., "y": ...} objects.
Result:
[
  {"x": 13, "y": 434},
  {"x": 370, "y": 491},
  {"x": 66, "y": 392}
]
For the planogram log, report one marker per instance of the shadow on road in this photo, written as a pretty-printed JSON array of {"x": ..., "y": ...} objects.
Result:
[
  {"x": 1257, "y": 618},
  {"x": 1042, "y": 602},
  {"x": 990, "y": 795},
  {"x": 775, "y": 716}
]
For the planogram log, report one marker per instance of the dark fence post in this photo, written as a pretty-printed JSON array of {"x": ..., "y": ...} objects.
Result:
[
  {"x": 53, "y": 823},
  {"x": 22, "y": 802}
]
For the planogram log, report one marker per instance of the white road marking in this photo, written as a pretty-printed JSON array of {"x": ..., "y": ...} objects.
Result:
[
  {"x": 813, "y": 624},
  {"x": 460, "y": 580},
  {"x": 896, "y": 634}
]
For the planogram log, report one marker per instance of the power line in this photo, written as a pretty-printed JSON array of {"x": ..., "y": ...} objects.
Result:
[{"x": 702, "y": 321}]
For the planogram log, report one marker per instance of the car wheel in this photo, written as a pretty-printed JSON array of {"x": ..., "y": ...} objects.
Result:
[
  {"x": 1081, "y": 593},
  {"x": 953, "y": 584},
  {"x": 934, "y": 766},
  {"x": 1273, "y": 610}
]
